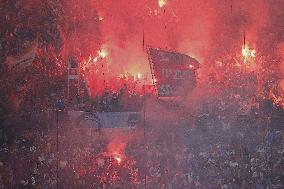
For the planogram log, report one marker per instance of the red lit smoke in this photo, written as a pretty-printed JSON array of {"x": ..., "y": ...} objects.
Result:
[
  {"x": 196, "y": 28},
  {"x": 203, "y": 29},
  {"x": 80, "y": 29}
]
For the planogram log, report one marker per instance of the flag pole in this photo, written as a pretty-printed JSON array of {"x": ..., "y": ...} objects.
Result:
[
  {"x": 68, "y": 82},
  {"x": 144, "y": 126}
]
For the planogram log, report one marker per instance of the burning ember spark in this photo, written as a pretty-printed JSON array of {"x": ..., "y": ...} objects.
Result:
[
  {"x": 102, "y": 53},
  {"x": 95, "y": 59},
  {"x": 139, "y": 76},
  {"x": 162, "y": 3},
  {"x": 248, "y": 53},
  {"x": 117, "y": 158},
  {"x": 87, "y": 63},
  {"x": 253, "y": 53}
]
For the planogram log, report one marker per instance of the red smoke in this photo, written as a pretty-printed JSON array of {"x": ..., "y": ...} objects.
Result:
[
  {"x": 191, "y": 27},
  {"x": 203, "y": 29},
  {"x": 80, "y": 29}
]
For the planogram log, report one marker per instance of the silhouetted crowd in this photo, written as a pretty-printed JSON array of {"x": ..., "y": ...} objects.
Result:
[
  {"x": 118, "y": 101},
  {"x": 228, "y": 146}
]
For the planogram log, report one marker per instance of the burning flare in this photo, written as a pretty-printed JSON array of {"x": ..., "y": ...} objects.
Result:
[
  {"x": 139, "y": 76},
  {"x": 162, "y": 3},
  {"x": 93, "y": 59},
  {"x": 117, "y": 158},
  {"x": 102, "y": 53},
  {"x": 248, "y": 53}
]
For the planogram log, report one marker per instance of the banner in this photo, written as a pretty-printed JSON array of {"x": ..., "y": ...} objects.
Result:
[
  {"x": 103, "y": 120},
  {"x": 23, "y": 60},
  {"x": 174, "y": 73}
]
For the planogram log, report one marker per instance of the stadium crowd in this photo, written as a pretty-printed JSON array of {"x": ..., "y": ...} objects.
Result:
[
  {"x": 234, "y": 140},
  {"x": 227, "y": 147}
]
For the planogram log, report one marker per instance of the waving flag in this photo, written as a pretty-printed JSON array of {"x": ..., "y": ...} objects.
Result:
[{"x": 174, "y": 73}]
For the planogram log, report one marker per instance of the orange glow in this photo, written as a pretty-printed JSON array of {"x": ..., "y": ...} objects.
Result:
[
  {"x": 87, "y": 63},
  {"x": 253, "y": 53},
  {"x": 248, "y": 53},
  {"x": 116, "y": 150},
  {"x": 118, "y": 159},
  {"x": 139, "y": 76},
  {"x": 102, "y": 53},
  {"x": 162, "y": 3},
  {"x": 245, "y": 51},
  {"x": 95, "y": 59}
]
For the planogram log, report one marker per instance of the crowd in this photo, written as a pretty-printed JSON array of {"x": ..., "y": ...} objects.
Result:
[
  {"x": 124, "y": 93},
  {"x": 228, "y": 146},
  {"x": 123, "y": 100},
  {"x": 245, "y": 150},
  {"x": 232, "y": 140}
]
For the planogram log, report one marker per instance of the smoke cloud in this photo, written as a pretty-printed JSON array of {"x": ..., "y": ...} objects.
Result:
[{"x": 202, "y": 29}]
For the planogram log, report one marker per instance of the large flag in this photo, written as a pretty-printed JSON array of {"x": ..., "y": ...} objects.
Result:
[{"x": 174, "y": 73}]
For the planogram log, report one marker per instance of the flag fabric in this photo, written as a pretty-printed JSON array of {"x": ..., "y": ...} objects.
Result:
[
  {"x": 72, "y": 74},
  {"x": 174, "y": 73},
  {"x": 72, "y": 69}
]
